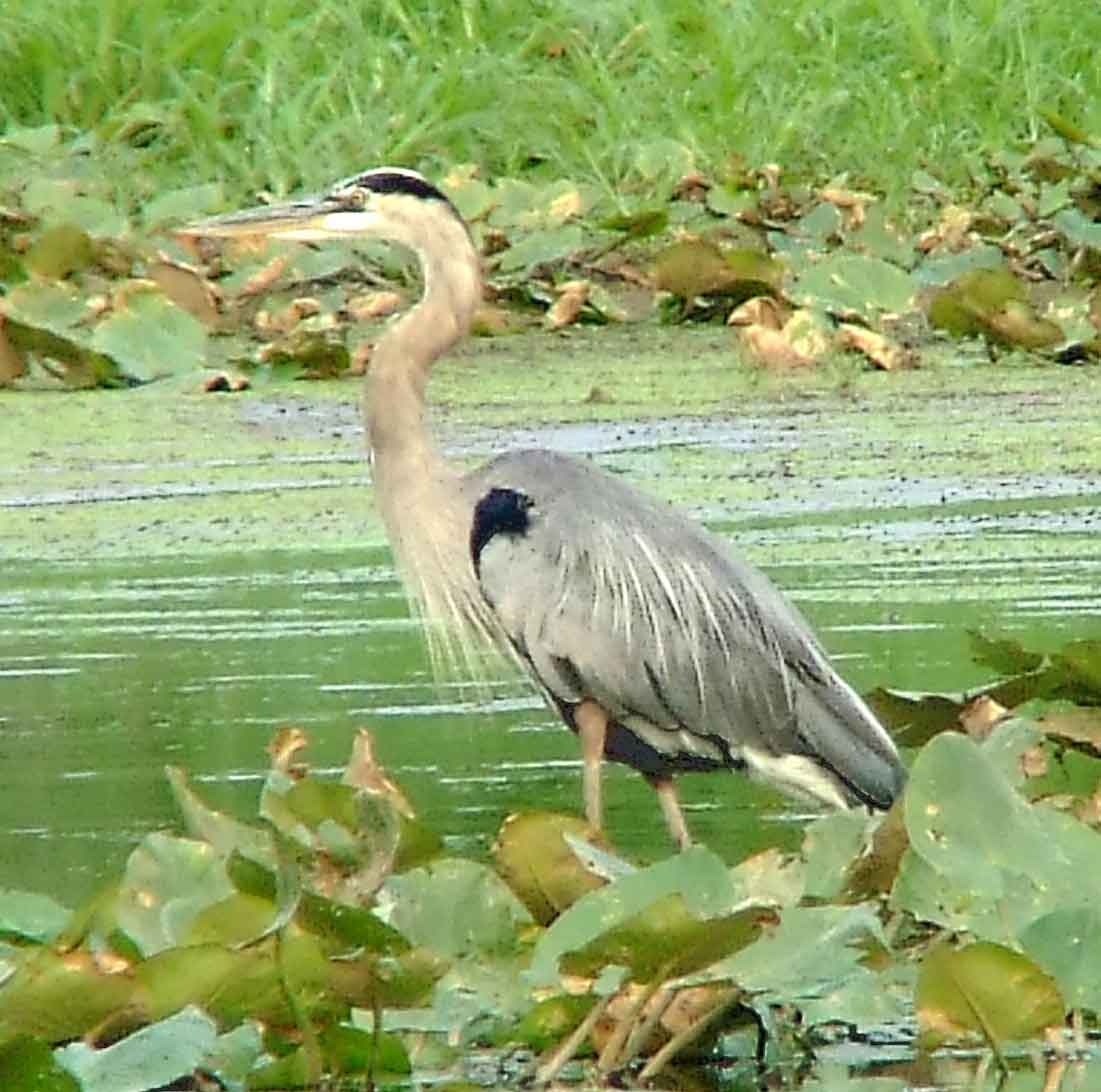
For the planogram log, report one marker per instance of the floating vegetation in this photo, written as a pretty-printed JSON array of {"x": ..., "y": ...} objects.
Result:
[{"x": 332, "y": 937}]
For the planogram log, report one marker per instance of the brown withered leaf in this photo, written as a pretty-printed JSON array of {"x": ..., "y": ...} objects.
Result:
[
  {"x": 770, "y": 349},
  {"x": 880, "y": 350},
  {"x": 598, "y": 396},
  {"x": 491, "y": 322},
  {"x": 691, "y": 187},
  {"x": 186, "y": 287},
  {"x": 271, "y": 323},
  {"x": 262, "y": 280},
  {"x": 951, "y": 232},
  {"x": 760, "y": 311},
  {"x": 361, "y": 358},
  {"x": 874, "y": 872},
  {"x": 566, "y": 206},
  {"x": 565, "y": 310},
  {"x": 224, "y": 381},
  {"x": 283, "y": 750},
  {"x": 979, "y": 716},
  {"x": 1080, "y": 728},
  {"x": 1034, "y": 762},
  {"x": 371, "y": 305},
  {"x": 12, "y": 364},
  {"x": 851, "y": 203},
  {"x": 365, "y": 772}
]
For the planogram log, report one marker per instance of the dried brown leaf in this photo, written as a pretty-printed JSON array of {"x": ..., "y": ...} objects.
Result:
[
  {"x": 565, "y": 310},
  {"x": 361, "y": 358},
  {"x": 951, "y": 232},
  {"x": 880, "y": 350},
  {"x": 366, "y": 773},
  {"x": 12, "y": 364},
  {"x": 771, "y": 348},
  {"x": 261, "y": 281},
  {"x": 852, "y": 204},
  {"x": 374, "y": 305},
  {"x": 978, "y": 717},
  {"x": 566, "y": 206},
  {"x": 760, "y": 311},
  {"x": 186, "y": 287}
]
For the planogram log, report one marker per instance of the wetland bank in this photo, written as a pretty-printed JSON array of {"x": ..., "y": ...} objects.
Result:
[{"x": 186, "y": 571}]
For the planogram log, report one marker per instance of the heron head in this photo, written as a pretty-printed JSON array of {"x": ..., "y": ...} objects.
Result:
[{"x": 380, "y": 203}]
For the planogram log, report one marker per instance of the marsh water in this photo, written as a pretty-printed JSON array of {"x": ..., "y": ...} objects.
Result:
[{"x": 112, "y": 667}]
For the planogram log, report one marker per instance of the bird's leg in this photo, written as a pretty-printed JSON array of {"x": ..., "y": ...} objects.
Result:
[
  {"x": 592, "y": 730},
  {"x": 670, "y": 808}
]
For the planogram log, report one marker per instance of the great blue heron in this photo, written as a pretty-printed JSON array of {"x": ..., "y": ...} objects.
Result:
[{"x": 654, "y": 644}]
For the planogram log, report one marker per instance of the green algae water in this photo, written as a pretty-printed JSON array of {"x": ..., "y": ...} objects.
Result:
[
  {"x": 110, "y": 670},
  {"x": 180, "y": 575}
]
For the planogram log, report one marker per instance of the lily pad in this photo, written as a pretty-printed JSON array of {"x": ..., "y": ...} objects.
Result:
[
  {"x": 1067, "y": 945},
  {"x": 150, "y": 337},
  {"x": 149, "y": 1058},
  {"x": 28, "y": 1065},
  {"x": 539, "y": 864},
  {"x": 697, "y": 874},
  {"x": 29, "y": 916},
  {"x": 855, "y": 285},
  {"x": 986, "y": 991}
]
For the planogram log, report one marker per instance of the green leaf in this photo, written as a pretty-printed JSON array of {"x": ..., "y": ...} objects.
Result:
[
  {"x": 168, "y": 882},
  {"x": 28, "y": 1065},
  {"x": 698, "y": 874},
  {"x": 60, "y": 251},
  {"x": 829, "y": 847},
  {"x": 1078, "y": 230},
  {"x": 57, "y": 997},
  {"x": 814, "y": 950},
  {"x": 152, "y": 1057},
  {"x": 1004, "y": 655},
  {"x": 1067, "y": 945},
  {"x": 181, "y": 205},
  {"x": 539, "y": 865},
  {"x": 855, "y": 284},
  {"x": 667, "y": 939},
  {"x": 995, "y": 862},
  {"x": 150, "y": 337},
  {"x": 455, "y": 908},
  {"x": 224, "y": 833},
  {"x": 189, "y": 975},
  {"x": 30, "y": 916},
  {"x": 542, "y": 248},
  {"x": 984, "y": 990}
]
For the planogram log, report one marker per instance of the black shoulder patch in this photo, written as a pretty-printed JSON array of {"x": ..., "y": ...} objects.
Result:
[
  {"x": 396, "y": 180},
  {"x": 499, "y": 512}
]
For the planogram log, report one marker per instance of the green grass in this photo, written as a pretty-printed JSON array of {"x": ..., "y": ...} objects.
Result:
[{"x": 284, "y": 95}]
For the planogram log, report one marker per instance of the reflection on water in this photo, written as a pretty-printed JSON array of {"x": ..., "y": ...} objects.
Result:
[{"x": 110, "y": 671}]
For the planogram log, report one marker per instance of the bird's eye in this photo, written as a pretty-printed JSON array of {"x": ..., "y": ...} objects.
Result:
[{"x": 353, "y": 198}]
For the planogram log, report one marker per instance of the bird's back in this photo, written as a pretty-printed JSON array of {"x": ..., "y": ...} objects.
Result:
[{"x": 701, "y": 661}]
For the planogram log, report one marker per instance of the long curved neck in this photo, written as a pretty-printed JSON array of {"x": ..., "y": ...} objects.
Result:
[
  {"x": 394, "y": 392},
  {"x": 420, "y": 496}
]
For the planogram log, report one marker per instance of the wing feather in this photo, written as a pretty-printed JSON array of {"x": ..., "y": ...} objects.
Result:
[{"x": 694, "y": 651}]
